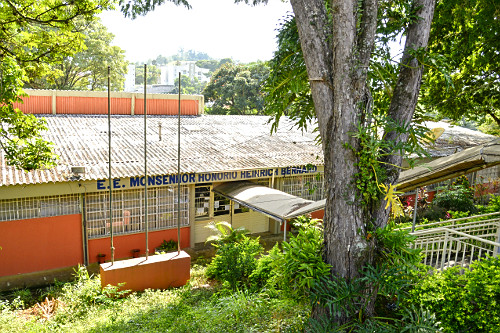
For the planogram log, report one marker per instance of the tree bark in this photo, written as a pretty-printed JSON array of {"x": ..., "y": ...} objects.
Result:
[{"x": 337, "y": 69}]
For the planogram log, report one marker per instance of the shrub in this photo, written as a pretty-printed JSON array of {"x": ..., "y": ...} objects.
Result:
[
  {"x": 300, "y": 265},
  {"x": 166, "y": 247},
  {"x": 468, "y": 302},
  {"x": 264, "y": 270},
  {"x": 224, "y": 233},
  {"x": 235, "y": 261},
  {"x": 458, "y": 196},
  {"x": 86, "y": 292}
]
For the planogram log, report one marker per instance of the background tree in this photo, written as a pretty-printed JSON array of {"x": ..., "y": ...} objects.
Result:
[
  {"x": 235, "y": 89},
  {"x": 337, "y": 39},
  {"x": 212, "y": 65},
  {"x": 464, "y": 83},
  {"x": 154, "y": 73},
  {"x": 33, "y": 35},
  {"x": 88, "y": 69},
  {"x": 188, "y": 86}
]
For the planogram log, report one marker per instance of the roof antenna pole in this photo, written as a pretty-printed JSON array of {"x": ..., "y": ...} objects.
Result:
[
  {"x": 179, "y": 171},
  {"x": 146, "y": 167},
  {"x": 109, "y": 174}
]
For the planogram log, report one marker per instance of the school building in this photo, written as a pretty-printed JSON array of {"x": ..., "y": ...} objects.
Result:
[{"x": 58, "y": 218}]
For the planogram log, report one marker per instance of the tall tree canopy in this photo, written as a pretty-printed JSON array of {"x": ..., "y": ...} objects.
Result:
[
  {"x": 235, "y": 89},
  {"x": 33, "y": 35},
  {"x": 465, "y": 83},
  {"x": 87, "y": 69},
  {"x": 188, "y": 86},
  {"x": 154, "y": 73},
  {"x": 337, "y": 40}
]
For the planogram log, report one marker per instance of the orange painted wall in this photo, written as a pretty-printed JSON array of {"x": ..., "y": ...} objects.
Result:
[
  {"x": 319, "y": 214},
  {"x": 99, "y": 105},
  {"x": 125, "y": 243},
  {"x": 166, "y": 106},
  {"x": 35, "y": 104},
  {"x": 91, "y": 105},
  {"x": 40, "y": 244}
]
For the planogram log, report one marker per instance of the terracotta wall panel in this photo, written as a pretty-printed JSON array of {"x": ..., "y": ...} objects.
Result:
[
  {"x": 35, "y": 105},
  {"x": 40, "y": 244}
]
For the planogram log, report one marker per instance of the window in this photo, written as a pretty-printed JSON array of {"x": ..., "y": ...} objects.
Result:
[
  {"x": 29, "y": 208},
  {"x": 202, "y": 200},
  {"x": 129, "y": 212},
  {"x": 222, "y": 205},
  {"x": 308, "y": 187},
  {"x": 240, "y": 208}
]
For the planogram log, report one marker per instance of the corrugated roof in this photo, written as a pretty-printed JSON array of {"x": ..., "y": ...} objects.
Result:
[
  {"x": 209, "y": 143},
  {"x": 454, "y": 139},
  {"x": 466, "y": 161}
]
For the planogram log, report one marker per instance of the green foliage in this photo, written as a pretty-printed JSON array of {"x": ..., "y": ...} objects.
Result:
[
  {"x": 32, "y": 36},
  {"x": 224, "y": 233},
  {"x": 20, "y": 134},
  {"x": 169, "y": 246},
  {"x": 396, "y": 269},
  {"x": 86, "y": 292},
  {"x": 87, "y": 69},
  {"x": 197, "y": 307},
  {"x": 287, "y": 91},
  {"x": 300, "y": 265},
  {"x": 142, "y": 7},
  {"x": 466, "y": 38},
  {"x": 212, "y": 65},
  {"x": 457, "y": 196},
  {"x": 374, "y": 148},
  {"x": 153, "y": 73},
  {"x": 235, "y": 261},
  {"x": 235, "y": 89},
  {"x": 188, "y": 86},
  {"x": 264, "y": 270},
  {"x": 463, "y": 302}
]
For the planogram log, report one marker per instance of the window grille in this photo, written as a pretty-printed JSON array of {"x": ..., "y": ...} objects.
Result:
[
  {"x": 310, "y": 187},
  {"x": 202, "y": 200},
  {"x": 30, "y": 208},
  {"x": 128, "y": 210}
]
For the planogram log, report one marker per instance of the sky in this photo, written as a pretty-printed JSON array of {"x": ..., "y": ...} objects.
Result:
[{"x": 219, "y": 28}]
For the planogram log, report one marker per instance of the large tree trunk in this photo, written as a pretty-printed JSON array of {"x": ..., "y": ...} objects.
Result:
[{"x": 337, "y": 59}]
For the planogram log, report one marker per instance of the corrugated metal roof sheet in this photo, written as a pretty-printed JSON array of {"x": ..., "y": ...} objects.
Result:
[{"x": 209, "y": 143}]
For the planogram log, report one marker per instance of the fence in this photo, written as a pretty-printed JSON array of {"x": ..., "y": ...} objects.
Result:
[{"x": 459, "y": 241}]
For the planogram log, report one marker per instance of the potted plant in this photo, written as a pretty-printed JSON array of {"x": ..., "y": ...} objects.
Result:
[
  {"x": 166, "y": 247},
  {"x": 101, "y": 258},
  {"x": 135, "y": 253}
]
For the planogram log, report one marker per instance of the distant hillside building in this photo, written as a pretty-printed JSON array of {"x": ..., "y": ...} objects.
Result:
[
  {"x": 170, "y": 72},
  {"x": 130, "y": 79}
]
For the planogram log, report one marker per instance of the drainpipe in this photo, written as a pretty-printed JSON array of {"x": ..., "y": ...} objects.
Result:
[
  {"x": 84, "y": 231},
  {"x": 415, "y": 211}
]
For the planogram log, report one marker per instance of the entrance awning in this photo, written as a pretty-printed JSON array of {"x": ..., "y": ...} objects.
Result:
[
  {"x": 468, "y": 160},
  {"x": 271, "y": 202}
]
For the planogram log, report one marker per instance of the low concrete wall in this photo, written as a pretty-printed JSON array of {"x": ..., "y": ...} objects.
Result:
[{"x": 160, "y": 271}]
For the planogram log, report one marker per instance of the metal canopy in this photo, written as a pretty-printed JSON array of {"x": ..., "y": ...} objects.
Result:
[
  {"x": 466, "y": 161},
  {"x": 271, "y": 202}
]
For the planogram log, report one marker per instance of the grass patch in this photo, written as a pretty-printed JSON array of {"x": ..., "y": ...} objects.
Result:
[{"x": 201, "y": 306}]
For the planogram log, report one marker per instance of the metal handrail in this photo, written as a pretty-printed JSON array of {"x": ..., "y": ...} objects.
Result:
[
  {"x": 465, "y": 242},
  {"x": 452, "y": 221}
]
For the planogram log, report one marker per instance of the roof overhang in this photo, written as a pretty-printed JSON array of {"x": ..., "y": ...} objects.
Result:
[
  {"x": 271, "y": 202},
  {"x": 466, "y": 161}
]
